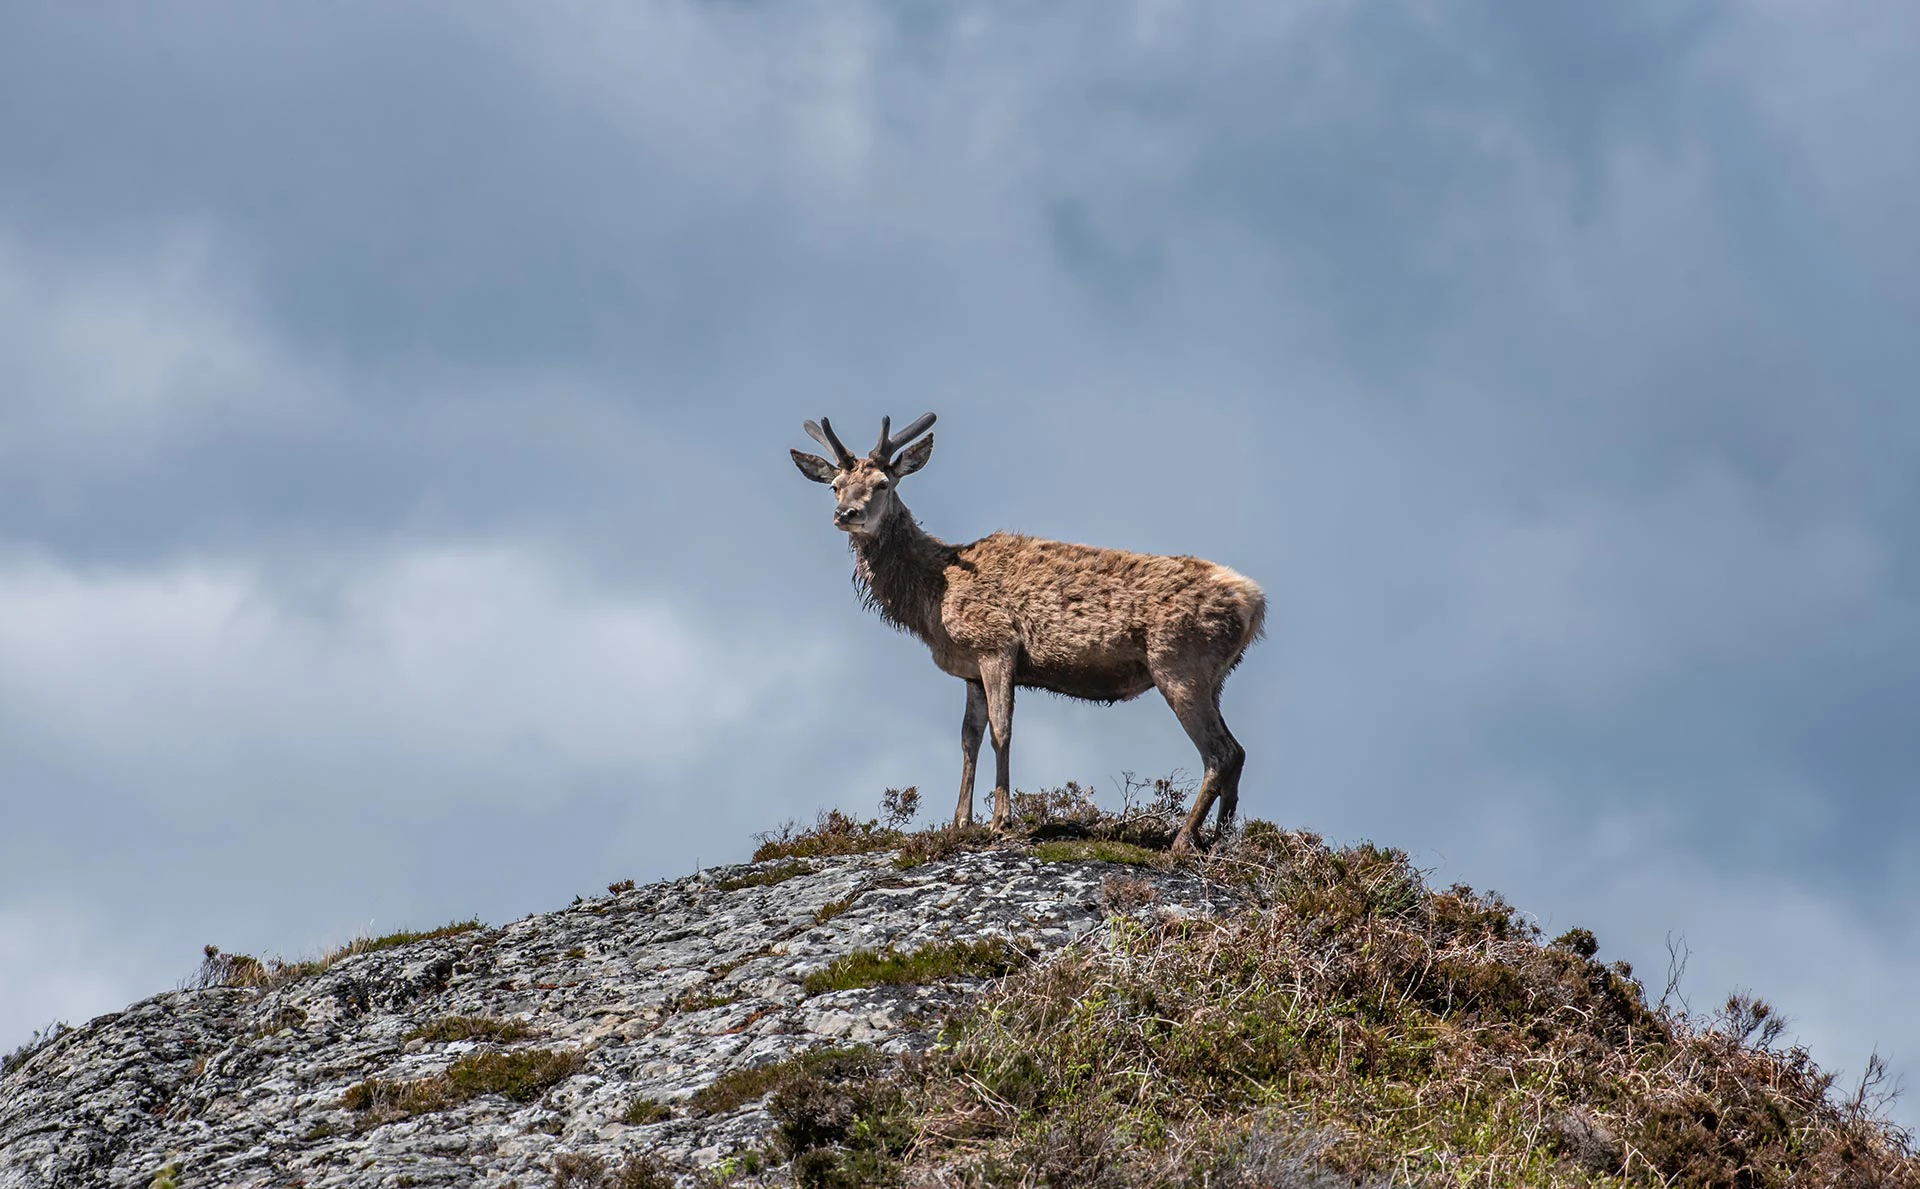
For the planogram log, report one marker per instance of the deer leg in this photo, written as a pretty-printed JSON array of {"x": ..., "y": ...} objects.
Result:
[
  {"x": 996, "y": 676},
  {"x": 972, "y": 729},
  {"x": 1199, "y": 712}
]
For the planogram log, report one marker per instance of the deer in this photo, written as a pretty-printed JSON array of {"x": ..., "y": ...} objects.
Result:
[{"x": 1011, "y": 612}]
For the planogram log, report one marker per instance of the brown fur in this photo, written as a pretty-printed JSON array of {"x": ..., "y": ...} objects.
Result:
[{"x": 1011, "y": 611}]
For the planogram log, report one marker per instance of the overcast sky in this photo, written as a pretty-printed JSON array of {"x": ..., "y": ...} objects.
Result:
[{"x": 396, "y": 523}]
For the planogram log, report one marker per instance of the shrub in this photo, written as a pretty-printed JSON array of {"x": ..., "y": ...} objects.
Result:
[
  {"x": 580, "y": 1170},
  {"x": 841, "y": 1115},
  {"x": 832, "y": 833},
  {"x": 1070, "y": 803},
  {"x": 1125, "y": 893},
  {"x": 898, "y": 806},
  {"x": 1359, "y": 1026},
  {"x": 943, "y": 842}
]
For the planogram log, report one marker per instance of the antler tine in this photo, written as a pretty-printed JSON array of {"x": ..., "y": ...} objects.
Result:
[
  {"x": 823, "y": 434},
  {"x": 888, "y": 444}
]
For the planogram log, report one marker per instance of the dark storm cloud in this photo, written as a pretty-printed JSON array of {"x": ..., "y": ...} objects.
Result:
[{"x": 400, "y": 399}]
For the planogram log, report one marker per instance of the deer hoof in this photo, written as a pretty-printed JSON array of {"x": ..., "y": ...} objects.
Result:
[{"x": 1183, "y": 844}]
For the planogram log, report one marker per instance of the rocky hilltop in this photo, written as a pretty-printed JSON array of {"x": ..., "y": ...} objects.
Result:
[
  {"x": 627, "y": 1007},
  {"x": 1070, "y": 1006}
]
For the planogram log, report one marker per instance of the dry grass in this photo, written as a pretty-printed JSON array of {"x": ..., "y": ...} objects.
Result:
[
  {"x": 1098, "y": 850},
  {"x": 221, "y": 969},
  {"x": 642, "y": 1111},
  {"x": 1353, "y": 1026},
  {"x": 1363, "y": 1025},
  {"x": 944, "y": 842},
  {"x": 40, "y": 1039},
  {"x": 580, "y": 1170},
  {"x": 832, "y": 833},
  {"x": 453, "y": 1028}
]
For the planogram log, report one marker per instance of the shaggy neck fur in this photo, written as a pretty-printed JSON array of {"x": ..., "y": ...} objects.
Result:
[{"x": 900, "y": 572}]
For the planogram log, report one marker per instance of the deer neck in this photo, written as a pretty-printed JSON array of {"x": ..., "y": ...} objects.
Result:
[{"x": 901, "y": 571}]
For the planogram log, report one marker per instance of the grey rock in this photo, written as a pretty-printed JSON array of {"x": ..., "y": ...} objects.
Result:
[{"x": 660, "y": 990}]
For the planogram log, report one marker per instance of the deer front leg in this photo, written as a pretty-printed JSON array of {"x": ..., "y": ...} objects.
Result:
[
  {"x": 1199, "y": 713},
  {"x": 996, "y": 676},
  {"x": 972, "y": 729}
]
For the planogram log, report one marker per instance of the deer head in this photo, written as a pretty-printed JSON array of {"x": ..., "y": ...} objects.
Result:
[{"x": 864, "y": 488}]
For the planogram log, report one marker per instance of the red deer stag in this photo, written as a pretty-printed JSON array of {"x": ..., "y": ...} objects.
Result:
[{"x": 1007, "y": 611}]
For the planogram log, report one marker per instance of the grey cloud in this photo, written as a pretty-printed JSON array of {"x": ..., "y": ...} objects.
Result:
[{"x": 1549, "y": 367}]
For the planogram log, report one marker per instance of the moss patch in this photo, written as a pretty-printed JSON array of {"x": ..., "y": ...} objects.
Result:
[
  {"x": 737, "y": 1087},
  {"x": 642, "y": 1111},
  {"x": 987, "y": 958},
  {"x": 521, "y": 1076},
  {"x": 452, "y": 1028},
  {"x": 834, "y": 908}
]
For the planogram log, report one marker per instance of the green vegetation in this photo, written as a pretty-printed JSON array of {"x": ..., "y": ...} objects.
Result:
[
  {"x": 521, "y": 1076},
  {"x": 642, "y": 1111},
  {"x": 763, "y": 879},
  {"x": 409, "y": 936},
  {"x": 745, "y": 1163},
  {"x": 834, "y": 908},
  {"x": 1351, "y": 1025},
  {"x": 832, "y": 833},
  {"x": 842, "y": 1116},
  {"x": 987, "y": 958},
  {"x": 451, "y": 1028},
  {"x": 738, "y": 1087},
  {"x": 1361, "y": 1024},
  {"x": 578, "y": 1170},
  {"x": 1095, "y": 850}
]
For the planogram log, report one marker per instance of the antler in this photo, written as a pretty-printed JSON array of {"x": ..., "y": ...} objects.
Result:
[
  {"x": 883, "y": 453},
  {"x": 823, "y": 434}
]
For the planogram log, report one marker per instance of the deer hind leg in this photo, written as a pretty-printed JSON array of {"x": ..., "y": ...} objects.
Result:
[
  {"x": 996, "y": 677},
  {"x": 1198, "y": 708},
  {"x": 972, "y": 729}
]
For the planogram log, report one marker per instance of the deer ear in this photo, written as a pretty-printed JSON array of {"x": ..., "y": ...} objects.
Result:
[
  {"x": 915, "y": 457},
  {"x": 814, "y": 467}
]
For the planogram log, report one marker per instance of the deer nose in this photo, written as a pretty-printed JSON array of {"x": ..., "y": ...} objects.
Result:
[{"x": 842, "y": 515}]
